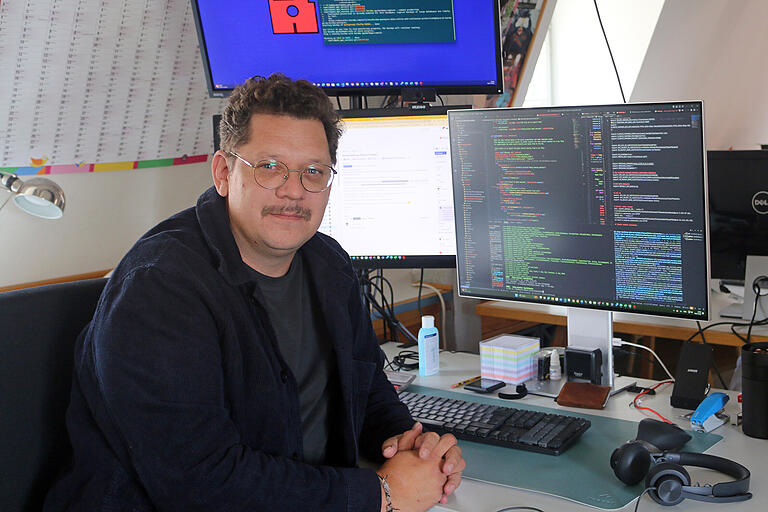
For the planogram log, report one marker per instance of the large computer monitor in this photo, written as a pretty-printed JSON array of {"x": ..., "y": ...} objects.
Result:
[
  {"x": 598, "y": 208},
  {"x": 351, "y": 47},
  {"x": 738, "y": 210},
  {"x": 391, "y": 204}
]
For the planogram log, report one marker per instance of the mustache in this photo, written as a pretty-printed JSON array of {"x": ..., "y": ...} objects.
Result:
[{"x": 304, "y": 213}]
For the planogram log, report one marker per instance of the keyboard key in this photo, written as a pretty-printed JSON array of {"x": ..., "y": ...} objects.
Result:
[
  {"x": 429, "y": 421},
  {"x": 544, "y": 441}
]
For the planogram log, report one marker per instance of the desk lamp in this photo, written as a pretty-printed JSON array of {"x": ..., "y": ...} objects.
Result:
[{"x": 40, "y": 197}]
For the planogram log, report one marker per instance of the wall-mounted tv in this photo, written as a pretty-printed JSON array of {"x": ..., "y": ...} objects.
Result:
[{"x": 353, "y": 47}]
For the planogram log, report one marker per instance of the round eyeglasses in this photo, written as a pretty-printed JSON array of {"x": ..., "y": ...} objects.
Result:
[{"x": 271, "y": 174}]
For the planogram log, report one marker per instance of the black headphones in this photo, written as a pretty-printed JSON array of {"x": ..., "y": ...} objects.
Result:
[
  {"x": 673, "y": 483},
  {"x": 665, "y": 477}
]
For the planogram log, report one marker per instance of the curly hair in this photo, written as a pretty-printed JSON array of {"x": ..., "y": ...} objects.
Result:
[{"x": 277, "y": 94}]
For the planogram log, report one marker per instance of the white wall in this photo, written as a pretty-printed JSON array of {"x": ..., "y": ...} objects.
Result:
[
  {"x": 713, "y": 50},
  {"x": 105, "y": 214},
  {"x": 581, "y": 69}
]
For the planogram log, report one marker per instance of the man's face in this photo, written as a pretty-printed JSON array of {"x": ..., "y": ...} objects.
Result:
[{"x": 269, "y": 226}]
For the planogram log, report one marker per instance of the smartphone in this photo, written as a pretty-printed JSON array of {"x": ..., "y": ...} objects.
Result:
[{"x": 484, "y": 385}]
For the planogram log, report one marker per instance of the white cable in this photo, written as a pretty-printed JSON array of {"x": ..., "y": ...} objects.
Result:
[
  {"x": 442, "y": 304},
  {"x": 622, "y": 342}
]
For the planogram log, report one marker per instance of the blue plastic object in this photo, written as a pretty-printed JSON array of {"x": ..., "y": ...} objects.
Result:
[{"x": 705, "y": 417}]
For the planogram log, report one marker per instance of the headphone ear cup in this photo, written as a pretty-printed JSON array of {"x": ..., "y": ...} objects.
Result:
[
  {"x": 630, "y": 462},
  {"x": 668, "y": 480}
]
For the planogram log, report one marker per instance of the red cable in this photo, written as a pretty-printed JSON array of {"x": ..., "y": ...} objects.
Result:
[{"x": 634, "y": 401}]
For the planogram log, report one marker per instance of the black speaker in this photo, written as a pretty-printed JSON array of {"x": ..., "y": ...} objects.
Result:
[
  {"x": 691, "y": 376},
  {"x": 754, "y": 383}
]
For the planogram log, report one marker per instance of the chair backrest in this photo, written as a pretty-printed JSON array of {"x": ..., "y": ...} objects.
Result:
[{"x": 38, "y": 330}]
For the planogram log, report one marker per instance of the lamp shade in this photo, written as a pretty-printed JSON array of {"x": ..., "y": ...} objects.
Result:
[{"x": 40, "y": 197}]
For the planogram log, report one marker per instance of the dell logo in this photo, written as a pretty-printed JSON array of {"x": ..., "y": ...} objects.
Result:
[
  {"x": 693, "y": 370},
  {"x": 760, "y": 202}
]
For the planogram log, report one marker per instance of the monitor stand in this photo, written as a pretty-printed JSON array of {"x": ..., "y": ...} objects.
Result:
[
  {"x": 593, "y": 329},
  {"x": 732, "y": 310},
  {"x": 756, "y": 281},
  {"x": 355, "y": 102},
  {"x": 588, "y": 329},
  {"x": 757, "y": 267}
]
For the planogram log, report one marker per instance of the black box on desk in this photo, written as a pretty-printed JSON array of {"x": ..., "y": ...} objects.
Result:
[
  {"x": 691, "y": 376},
  {"x": 584, "y": 364}
]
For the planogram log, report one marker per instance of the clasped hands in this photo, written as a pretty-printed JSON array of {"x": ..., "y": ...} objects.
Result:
[{"x": 422, "y": 468}]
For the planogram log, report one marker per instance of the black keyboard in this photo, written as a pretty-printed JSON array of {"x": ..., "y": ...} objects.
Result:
[{"x": 490, "y": 424}]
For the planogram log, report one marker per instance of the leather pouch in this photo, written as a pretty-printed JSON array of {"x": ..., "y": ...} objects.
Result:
[{"x": 584, "y": 395}]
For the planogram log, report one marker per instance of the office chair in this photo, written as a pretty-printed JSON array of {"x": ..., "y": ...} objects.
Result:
[{"x": 38, "y": 329}]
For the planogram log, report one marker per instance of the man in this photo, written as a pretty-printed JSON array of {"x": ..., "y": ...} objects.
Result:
[{"x": 230, "y": 364}]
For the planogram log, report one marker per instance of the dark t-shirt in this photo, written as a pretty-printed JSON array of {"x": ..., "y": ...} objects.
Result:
[{"x": 306, "y": 349}]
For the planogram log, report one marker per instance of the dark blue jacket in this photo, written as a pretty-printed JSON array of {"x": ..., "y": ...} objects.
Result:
[{"x": 182, "y": 401}]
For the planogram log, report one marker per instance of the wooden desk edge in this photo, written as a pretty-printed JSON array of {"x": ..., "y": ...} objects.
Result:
[{"x": 494, "y": 310}]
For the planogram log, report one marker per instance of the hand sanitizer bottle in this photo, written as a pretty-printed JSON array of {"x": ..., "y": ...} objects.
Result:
[{"x": 429, "y": 347}]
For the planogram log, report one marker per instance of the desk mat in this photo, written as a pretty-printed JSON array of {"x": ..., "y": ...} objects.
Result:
[{"x": 583, "y": 473}]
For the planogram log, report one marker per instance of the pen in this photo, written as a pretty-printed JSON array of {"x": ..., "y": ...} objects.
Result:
[{"x": 464, "y": 382}]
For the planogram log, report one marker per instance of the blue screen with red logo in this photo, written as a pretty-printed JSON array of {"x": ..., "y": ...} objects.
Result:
[{"x": 348, "y": 46}]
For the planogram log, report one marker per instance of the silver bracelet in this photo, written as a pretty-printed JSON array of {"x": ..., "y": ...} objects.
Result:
[{"x": 385, "y": 486}]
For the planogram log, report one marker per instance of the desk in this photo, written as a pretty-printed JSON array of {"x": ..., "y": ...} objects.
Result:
[
  {"x": 628, "y": 323},
  {"x": 476, "y": 496}
]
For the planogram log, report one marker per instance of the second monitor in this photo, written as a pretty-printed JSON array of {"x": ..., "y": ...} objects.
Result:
[
  {"x": 391, "y": 204},
  {"x": 598, "y": 208}
]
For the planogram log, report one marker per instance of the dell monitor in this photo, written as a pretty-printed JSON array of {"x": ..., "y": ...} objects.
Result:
[
  {"x": 376, "y": 47},
  {"x": 738, "y": 210},
  {"x": 598, "y": 208}
]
